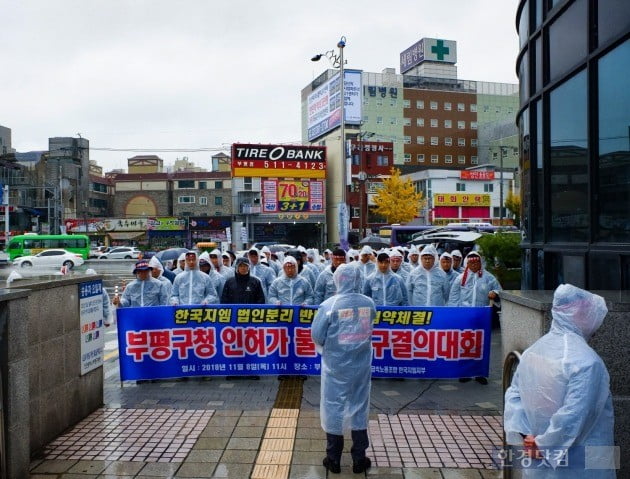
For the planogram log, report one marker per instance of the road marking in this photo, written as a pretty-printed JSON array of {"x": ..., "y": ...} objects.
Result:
[
  {"x": 108, "y": 356},
  {"x": 111, "y": 345}
]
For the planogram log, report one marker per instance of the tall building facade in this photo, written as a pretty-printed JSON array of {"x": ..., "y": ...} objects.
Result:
[{"x": 574, "y": 131}]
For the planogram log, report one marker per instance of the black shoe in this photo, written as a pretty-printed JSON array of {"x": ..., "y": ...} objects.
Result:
[
  {"x": 465, "y": 380},
  {"x": 361, "y": 465},
  {"x": 332, "y": 466},
  {"x": 482, "y": 380}
]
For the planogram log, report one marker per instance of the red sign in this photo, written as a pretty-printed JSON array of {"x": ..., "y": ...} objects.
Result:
[{"x": 476, "y": 175}]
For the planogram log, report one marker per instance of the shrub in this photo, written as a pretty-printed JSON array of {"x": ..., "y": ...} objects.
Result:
[{"x": 501, "y": 249}]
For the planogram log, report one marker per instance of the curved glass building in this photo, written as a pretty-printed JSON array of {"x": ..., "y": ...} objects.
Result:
[{"x": 574, "y": 124}]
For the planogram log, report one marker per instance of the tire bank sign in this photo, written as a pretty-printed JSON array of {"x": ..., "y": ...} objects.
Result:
[{"x": 278, "y": 161}]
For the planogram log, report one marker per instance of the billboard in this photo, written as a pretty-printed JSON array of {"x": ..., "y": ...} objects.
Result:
[
  {"x": 476, "y": 175},
  {"x": 324, "y": 104},
  {"x": 273, "y": 161},
  {"x": 289, "y": 196},
  {"x": 428, "y": 49}
]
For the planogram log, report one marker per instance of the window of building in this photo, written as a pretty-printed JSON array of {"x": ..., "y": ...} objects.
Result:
[
  {"x": 435, "y": 141},
  {"x": 433, "y": 105},
  {"x": 486, "y": 108},
  {"x": 448, "y": 124},
  {"x": 461, "y": 159},
  {"x": 203, "y": 200},
  {"x": 185, "y": 199},
  {"x": 461, "y": 124},
  {"x": 434, "y": 123},
  {"x": 392, "y": 120},
  {"x": 420, "y": 157},
  {"x": 247, "y": 183},
  {"x": 461, "y": 142},
  {"x": 218, "y": 200},
  {"x": 448, "y": 141},
  {"x": 366, "y": 101},
  {"x": 382, "y": 160},
  {"x": 567, "y": 44},
  {"x": 448, "y": 158},
  {"x": 488, "y": 188},
  {"x": 356, "y": 211},
  {"x": 473, "y": 125},
  {"x": 419, "y": 121},
  {"x": 473, "y": 107},
  {"x": 218, "y": 185},
  {"x": 406, "y": 121},
  {"x": 474, "y": 160},
  {"x": 435, "y": 158},
  {"x": 461, "y": 107},
  {"x": 379, "y": 102},
  {"x": 407, "y": 158},
  {"x": 420, "y": 140},
  {"x": 473, "y": 142},
  {"x": 393, "y": 102},
  {"x": 447, "y": 105},
  {"x": 181, "y": 184},
  {"x": 366, "y": 118},
  {"x": 406, "y": 104},
  {"x": 420, "y": 104},
  {"x": 460, "y": 186},
  {"x": 203, "y": 185},
  {"x": 407, "y": 140},
  {"x": 379, "y": 120}
]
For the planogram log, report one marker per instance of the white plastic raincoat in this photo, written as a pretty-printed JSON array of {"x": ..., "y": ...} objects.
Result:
[
  {"x": 471, "y": 289},
  {"x": 386, "y": 289},
  {"x": 193, "y": 287},
  {"x": 151, "y": 292},
  {"x": 285, "y": 290},
  {"x": 560, "y": 392},
  {"x": 428, "y": 287},
  {"x": 342, "y": 332}
]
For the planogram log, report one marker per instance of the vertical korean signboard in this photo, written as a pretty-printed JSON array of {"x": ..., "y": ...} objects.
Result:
[{"x": 91, "y": 324}]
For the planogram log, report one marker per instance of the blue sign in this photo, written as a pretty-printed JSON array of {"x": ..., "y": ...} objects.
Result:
[{"x": 230, "y": 340}]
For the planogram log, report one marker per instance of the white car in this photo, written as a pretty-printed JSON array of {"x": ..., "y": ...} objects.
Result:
[
  {"x": 50, "y": 258},
  {"x": 121, "y": 252}
]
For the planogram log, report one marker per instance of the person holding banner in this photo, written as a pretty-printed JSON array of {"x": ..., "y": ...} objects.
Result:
[
  {"x": 192, "y": 286},
  {"x": 428, "y": 285},
  {"x": 474, "y": 287},
  {"x": 142, "y": 291},
  {"x": 243, "y": 288},
  {"x": 559, "y": 406},
  {"x": 325, "y": 285},
  {"x": 342, "y": 333},
  {"x": 384, "y": 287},
  {"x": 289, "y": 287}
]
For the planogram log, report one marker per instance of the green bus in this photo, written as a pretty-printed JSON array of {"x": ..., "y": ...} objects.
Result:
[{"x": 31, "y": 244}]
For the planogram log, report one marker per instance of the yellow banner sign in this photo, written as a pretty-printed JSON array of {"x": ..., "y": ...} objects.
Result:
[{"x": 461, "y": 199}]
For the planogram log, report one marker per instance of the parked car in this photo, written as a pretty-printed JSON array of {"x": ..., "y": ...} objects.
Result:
[
  {"x": 122, "y": 252},
  {"x": 51, "y": 258},
  {"x": 99, "y": 250}
]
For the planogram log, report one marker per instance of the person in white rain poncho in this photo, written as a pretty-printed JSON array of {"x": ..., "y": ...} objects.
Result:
[
  {"x": 205, "y": 266},
  {"x": 342, "y": 333},
  {"x": 446, "y": 264},
  {"x": 365, "y": 263},
  {"x": 144, "y": 290},
  {"x": 108, "y": 317},
  {"x": 560, "y": 397},
  {"x": 289, "y": 287},
  {"x": 192, "y": 286},
  {"x": 428, "y": 285},
  {"x": 475, "y": 286},
  {"x": 384, "y": 287},
  {"x": 158, "y": 273},
  {"x": 414, "y": 257},
  {"x": 325, "y": 285},
  {"x": 396, "y": 263},
  {"x": 181, "y": 264},
  {"x": 264, "y": 273}
]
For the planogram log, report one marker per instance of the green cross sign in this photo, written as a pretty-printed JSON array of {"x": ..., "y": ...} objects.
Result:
[{"x": 440, "y": 50}]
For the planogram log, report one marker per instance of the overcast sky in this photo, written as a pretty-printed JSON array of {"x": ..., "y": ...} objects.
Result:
[{"x": 193, "y": 74}]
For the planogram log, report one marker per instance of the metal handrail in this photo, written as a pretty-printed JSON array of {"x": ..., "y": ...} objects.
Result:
[{"x": 509, "y": 366}]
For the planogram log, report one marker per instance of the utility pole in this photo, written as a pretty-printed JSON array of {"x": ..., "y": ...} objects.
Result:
[
  {"x": 5, "y": 202},
  {"x": 501, "y": 186}
]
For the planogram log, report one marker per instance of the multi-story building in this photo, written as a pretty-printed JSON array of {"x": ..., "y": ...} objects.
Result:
[
  {"x": 433, "y": 119},
  {"x": 575, "y": 147}
]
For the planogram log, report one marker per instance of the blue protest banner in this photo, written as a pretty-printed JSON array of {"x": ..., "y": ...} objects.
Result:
[{"x": 230, "y": 340}]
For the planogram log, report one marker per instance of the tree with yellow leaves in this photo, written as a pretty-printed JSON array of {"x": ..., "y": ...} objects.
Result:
[
  {"x": 513, "y": 204},
  {"x": 397, "y": 200}
]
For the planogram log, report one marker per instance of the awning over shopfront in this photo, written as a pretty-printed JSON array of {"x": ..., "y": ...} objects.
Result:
[{"x": 127, "y": 235}]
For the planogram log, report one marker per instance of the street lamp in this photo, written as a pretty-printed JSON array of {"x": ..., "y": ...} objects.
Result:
[
  {"x": 362, "y": 176},
  {"x": 338, "y": 62}
]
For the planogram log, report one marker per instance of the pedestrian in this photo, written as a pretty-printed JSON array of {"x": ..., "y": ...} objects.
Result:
[
  {"x": 384, "y": 287},
  {"x": 263, "y": 272},
  {"x": 342, "y": 333},
  {"x": 242, "y": 288},
  {"x": 205, "y": 266},
  {"x": 457, "y": 261},
  {"x": 396, "y": 264},
  {"x": 325, "y": 285},
  {"x": 428, "y": 285},
  {"x": 365, "y": 263},
  {"x": 414, "y": 257},
  {"x": 559, "y": 405},
  {"x": 475, "y": 287},
  {"x": 181, "y": 264},
  {"x": 142, "y": 291},
  {"x": 446, "y": 264},
  {"x": 192, "y": 286},
  {"x": 158, "y": 273},
  {"x": 289, "y": 287}
]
